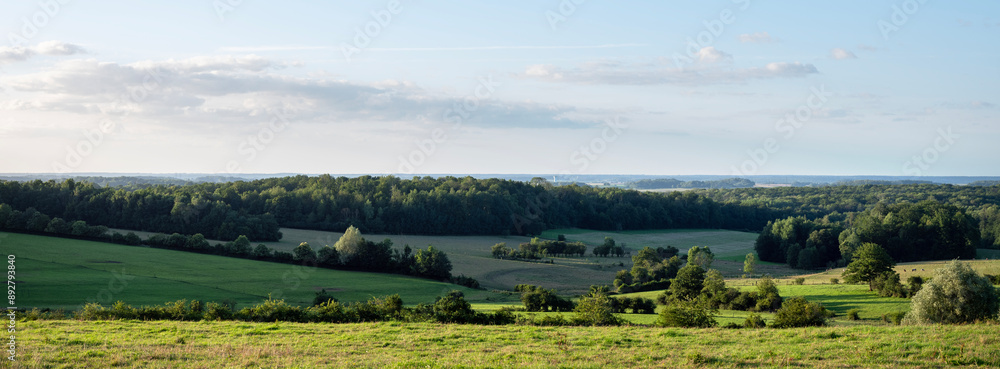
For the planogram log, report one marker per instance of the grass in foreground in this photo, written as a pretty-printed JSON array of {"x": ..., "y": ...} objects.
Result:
[{"x": 67, "y": 343}]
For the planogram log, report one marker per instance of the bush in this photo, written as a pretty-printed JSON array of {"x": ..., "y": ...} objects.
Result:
[
  {"x": 797, "y": 312},
  {"x": 956, "y": 294},
  {"x": 271, "y": 310},
  {"x": 853, "y": 314},
  {"x": 800, "y": 281},
  {"x": 834, "y": 281},
  {"x": 217, "y": 311},
  {"x": 552, "y": 320},
  {"x": 93, "y": 311},
  {"x": 754, "y": 321},
  {"x": 595, "y": 310},
  {"x": 685, "y": 314},
  {"x": 329, "y": 311}
]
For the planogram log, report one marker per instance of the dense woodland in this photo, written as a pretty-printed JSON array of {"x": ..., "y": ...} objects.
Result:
[
  {"x": 442, "y": 206},
  {"x": 805, "y": 227}
]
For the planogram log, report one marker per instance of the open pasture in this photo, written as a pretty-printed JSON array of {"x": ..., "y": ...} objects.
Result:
[
  {"x": 65, "y": 343},
  {"x": 65, "y": 273}
]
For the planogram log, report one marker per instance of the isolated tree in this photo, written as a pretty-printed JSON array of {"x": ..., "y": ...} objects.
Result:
[
  {"x": 349, "y": 243},
  {"x": 749, "y": 264},
  {"x": 870, "y": 260},
  {"x": 304, "y": 253},
  {"x": 700, "y": 256},
  {"x": 241, "y": 246},
  {"x": 956, "y": 294}
]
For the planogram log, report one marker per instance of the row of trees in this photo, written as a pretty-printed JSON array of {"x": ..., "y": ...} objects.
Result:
[
  {"x": 445, "y": 205},
  {"x": 351, "y": 251},
  {"x": 538, "y": 248},
  {"x": 928, "y": 230},
  {"x": 834, "y": 203}
]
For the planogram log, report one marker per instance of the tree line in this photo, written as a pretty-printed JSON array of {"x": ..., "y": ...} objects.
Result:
[
  {"x": 928, "y": 230},
  {"x": 351, "y": 252},
  {"x": 429, "y": 206}
]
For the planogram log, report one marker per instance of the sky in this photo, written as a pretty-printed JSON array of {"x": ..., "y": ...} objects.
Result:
[{"x": 567, "y": 87}]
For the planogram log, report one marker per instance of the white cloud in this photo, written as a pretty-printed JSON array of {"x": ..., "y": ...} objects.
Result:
[
  {"x": 229, "y": 89},
  {"x": 707, "y": 70},
  {"x": 842, "y": 54},
  {"x": 712, "y": 55},
  {"x": 756, "y": 38},
  {"x": 21, "y": 53}
]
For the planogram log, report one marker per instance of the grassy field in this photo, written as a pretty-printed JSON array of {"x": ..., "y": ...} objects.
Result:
[
  {"x": 64, "y": 273},
  {"x": 161, "y": 344},
  {"x": 470, "y": 255}
]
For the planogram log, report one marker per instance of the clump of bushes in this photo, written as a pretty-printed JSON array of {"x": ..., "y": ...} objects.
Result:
[
  {"x": 853, "y": 314},
  {"x": 797, "y": 312},
  {"x": 800, "y": 281}
]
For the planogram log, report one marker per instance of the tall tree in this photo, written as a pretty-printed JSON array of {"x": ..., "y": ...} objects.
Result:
[
  {"x": 749, "y": 264},
  {"x": 349, "y": 243},
  {"x": 870, "y": 260}
]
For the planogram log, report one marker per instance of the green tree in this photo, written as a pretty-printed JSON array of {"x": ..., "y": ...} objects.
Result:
[
  {"x": 328, "y": 256},
  {"x": 749, "y": 264},
  {"x": 689, "y": 283},
  {"x": 432, "y": 263},
  {"x": 261, "y": 252},
  {"x": 646, "y": 257},
  {"x": 596, "y": 310},
  {"x": 241, "y": 246},
  {"x": 700, "y": 256},
  {"x": 870, "y": 260},
  {"x": 304, "y": 253},
  {"x": 348, "y": 245},
  {"x": 956, "y": 294}
]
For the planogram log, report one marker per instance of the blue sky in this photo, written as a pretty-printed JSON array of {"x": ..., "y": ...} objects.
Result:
[{"x": 548, "y": 87}]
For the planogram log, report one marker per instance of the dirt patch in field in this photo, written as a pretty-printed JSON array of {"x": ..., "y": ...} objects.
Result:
[{"x": 104, "y": 261}]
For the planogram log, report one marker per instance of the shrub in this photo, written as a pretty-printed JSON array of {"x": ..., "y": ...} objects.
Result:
[
  {"x": 271, "y": 310},
  {"x": 93, "y": 311},
  {"x": 853, "y": 314},
  {"x": 834, "y": 281},
  {"x": 956, "y": 294},
  {"x": 754, "y": 321},
  {"x": 685, "y": 314},
  {"x": 595, "y": 310},
  {"x": 329, "y": 311},
  {"x": 797, "y": 312},
  {"x": 800, "y": 281},
  {"x": 217, "y": 311},
  {"x": 552, "y": 320}
]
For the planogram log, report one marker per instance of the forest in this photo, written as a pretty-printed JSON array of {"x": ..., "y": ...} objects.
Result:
[{"x": 469, "y": 206}]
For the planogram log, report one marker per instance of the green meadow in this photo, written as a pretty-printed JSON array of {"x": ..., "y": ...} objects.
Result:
[
  {"x": 65, "y": 273},
  {"x": 167, "y": 344}
]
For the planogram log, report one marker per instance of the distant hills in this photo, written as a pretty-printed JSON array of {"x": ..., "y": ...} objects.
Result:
[{"x": 636, "y": 181}]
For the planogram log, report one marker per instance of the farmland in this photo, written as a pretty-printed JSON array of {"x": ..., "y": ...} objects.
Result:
[
  {"x": 65, "y": 273},
  {"x": 470, "y": 255}
]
